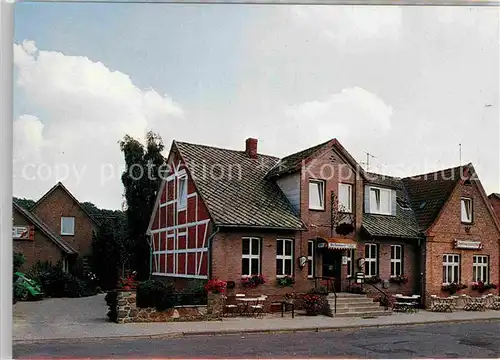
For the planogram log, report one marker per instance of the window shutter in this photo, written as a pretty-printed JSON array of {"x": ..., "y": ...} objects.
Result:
[
  {"x": 367, "y": 199},
  {"x": 393, "y": 202}
]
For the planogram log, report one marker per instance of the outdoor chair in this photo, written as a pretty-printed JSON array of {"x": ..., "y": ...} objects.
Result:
[
  {"x": 258, "y": 309},
  {"x": 231, "y": 309}
]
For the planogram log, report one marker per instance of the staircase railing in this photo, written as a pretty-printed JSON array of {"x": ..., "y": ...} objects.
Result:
[
  {"x": 386, "y": 296},
  {"x": 330, "y": 285}
]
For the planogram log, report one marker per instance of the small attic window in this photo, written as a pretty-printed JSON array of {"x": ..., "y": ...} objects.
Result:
[
  {"x": 403, "y": 204},
  {"x": 422, "y": 204}
]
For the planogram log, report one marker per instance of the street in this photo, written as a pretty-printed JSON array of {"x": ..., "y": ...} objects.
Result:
[{"x": 451, "y": 340}]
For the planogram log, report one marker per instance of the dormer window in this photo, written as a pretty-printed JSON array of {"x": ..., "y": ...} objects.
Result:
[
  {"x": 466, "y": 210},
  {"x": 316, "y": 195},
  {"x": 380, "y": 201}
]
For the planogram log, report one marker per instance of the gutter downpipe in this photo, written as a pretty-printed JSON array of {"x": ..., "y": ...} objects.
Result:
[{"x": 217, "y": 229}]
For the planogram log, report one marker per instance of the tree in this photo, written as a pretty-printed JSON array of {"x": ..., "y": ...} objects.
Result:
[
  {"x": 141, "y": 181},
  {"x": 25, "y": 203}
]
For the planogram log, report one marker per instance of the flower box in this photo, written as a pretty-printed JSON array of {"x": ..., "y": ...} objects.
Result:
[
  {"x": 400, "y": 279},
  {"x": 452, "y": 288},
  {"x": 252, "y": 281},
  {"x": 482, "y": 287}
]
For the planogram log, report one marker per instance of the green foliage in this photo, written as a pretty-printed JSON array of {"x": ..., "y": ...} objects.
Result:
[
  {"x": 25, "y": 203},
  {"x": 39, "y": 269},
  {"x": 111, "y": 299},
  {"x": 140, "y": 192},
  {"x": 57, "y": 283},
  {"x": 17, "y": 261},
  {"x": 155, "y": 293}
]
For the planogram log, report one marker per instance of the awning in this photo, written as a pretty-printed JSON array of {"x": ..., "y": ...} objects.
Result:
[{"x": 337, "y": 244}]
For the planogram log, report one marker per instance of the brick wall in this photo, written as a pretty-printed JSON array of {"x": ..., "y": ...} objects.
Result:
[
  {"x": 41, "y": 248},
  {"x": 58, "y": 204},
  {"x": 449, "y": 227},
  {"x": 411, "y": 270},
  {"x": 495, "y": 203},
  {"x": 227, "y": 261}
]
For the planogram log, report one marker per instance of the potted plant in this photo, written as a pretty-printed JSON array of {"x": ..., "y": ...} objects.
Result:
[
  {"x": 356, "y": 289},
  {"x": 344, "y": 228},
  {"x": 230, "y": 284},
  {"x": 286, "y": 280},
  {"x": 252, "y": 281},
  {"x": 398, "y": 279},
  {"x": 482, "y": 287},
  {"x": 452, "y": 288},
  {"x": 372, "y": 279},
  {"x": 311, "y": 304}
]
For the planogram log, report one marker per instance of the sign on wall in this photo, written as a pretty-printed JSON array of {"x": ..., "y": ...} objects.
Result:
[
  {"x": 22, "y": 233},
  {"x": 466, "y": 244}
]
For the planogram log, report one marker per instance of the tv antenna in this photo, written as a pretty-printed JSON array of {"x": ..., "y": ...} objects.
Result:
[{"x": 367, "y": 163}]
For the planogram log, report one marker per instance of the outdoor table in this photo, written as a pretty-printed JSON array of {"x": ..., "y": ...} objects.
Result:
[
  {"x": 247, "y": 303},
  {"x": 286, "y": 303},
  {"x": 439, "y": 304},
  {"x": 405, "y": 303}
]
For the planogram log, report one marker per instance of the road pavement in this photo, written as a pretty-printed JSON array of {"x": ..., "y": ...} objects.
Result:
[{"x": 452, "y": 340}]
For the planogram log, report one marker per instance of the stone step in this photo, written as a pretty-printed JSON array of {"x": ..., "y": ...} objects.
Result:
[
  {"x": 374, "y": 313},
  {"x": 358, "y": 309},
  {"x": 347, "y": 295},
  {"x": 351, "y": 301}
]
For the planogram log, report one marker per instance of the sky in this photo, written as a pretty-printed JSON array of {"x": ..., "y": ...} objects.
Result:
[{"x": 406, "y": 84}]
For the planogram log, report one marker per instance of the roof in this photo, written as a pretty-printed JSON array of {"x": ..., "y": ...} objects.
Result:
[
  {"x": 61, "y": 186},
  {"x": 38, "y": 223},
  {"x": 239, "y": 194},
  {"x": 290, "y": 163},
  {"x": 429, "y": 192},
  {"x": 404, "y": 224},
  {"x": 497, "y": 195}
]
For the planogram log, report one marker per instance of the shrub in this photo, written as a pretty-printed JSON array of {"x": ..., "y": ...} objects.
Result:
[
  {"x": 155, "y": 293},
  {"x": 128, "y": 282},
  {"x": 17, "y": 261},
  {"x": 111, "y": 299},
  {"x": 216, "y": 286}
]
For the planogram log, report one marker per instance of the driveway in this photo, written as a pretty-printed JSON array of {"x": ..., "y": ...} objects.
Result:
[{"x": 32, "y": 317}]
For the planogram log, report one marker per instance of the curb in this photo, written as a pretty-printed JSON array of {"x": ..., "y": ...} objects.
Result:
[{"x": 252, "y": 331}]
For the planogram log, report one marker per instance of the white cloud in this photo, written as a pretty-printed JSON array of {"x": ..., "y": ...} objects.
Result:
[
  {"x": 85, "y": 109},
  {"x": 344, "y": 24},
  {"x": 343, "y": 114}
]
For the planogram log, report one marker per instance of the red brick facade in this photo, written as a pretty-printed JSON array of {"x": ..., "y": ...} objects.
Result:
[
  {"x": 56, "y": 204},
  {"x": 448, "y": 228},
  {"x": 40, "y": 248}
]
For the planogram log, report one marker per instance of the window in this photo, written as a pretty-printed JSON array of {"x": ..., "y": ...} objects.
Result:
[
  {"x": 310, "y": 259},
  {"x": 182, "y": 192},
  {"x": 250, "y": 262},
  {"x": 284, "y": 257},
  {"x": 67, "y": 225},
  {"x": 396, "y": 260},
  {"x": 65, "y": 265},
  {"x": 480, "y": 269},
  {"x": 451, "y": 268},
  {"x": 466, "y": 210},
  {"x": 316, "y": 195},
  {"x": 350, "y": 263},
  {"x": 345, "y": 197},
  {"x": 380, "y": 201},
  {"x": 371, "y": 259}
]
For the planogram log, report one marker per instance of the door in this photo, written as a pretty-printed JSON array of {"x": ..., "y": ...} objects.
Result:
[{"x": 332, "y": 267}]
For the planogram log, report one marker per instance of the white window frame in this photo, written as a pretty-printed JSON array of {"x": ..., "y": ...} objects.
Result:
[
  {"x": 310, "y": 259},
  {"x": 451, "y": 261},
  {"x": 321, "y": 190},
  {"x": 376, "y": 206},
  {"x": 395, "y": 260},
  {"x": 251, "y": 256},
  {"x": 347, "y": 207},
  {"x": 372, "y": 259},
  {"x": 182, "y": 192},
  {"x": 480, "y": 268},
  {"x": 70, "y": 233},
  {"x": 350, "y": 264},
  {"x": 463, "y": 210},
  {"x": 284, "y": 257}
]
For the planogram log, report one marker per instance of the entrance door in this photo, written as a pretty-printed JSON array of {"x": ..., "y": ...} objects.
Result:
[{"x": 332, "y": 266}]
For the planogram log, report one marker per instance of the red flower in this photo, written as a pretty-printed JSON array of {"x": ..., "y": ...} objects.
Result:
[{"x": 216, "y": 286}]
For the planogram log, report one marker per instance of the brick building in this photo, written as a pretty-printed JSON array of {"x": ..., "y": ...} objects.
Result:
[
  {"x": 58, "y": 228},
  {"x": 229, "y": 214},
  {"x": 495, "y": 203}
]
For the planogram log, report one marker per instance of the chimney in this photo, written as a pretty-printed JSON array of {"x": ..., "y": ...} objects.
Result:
[{"x": 251, "y": 148}]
